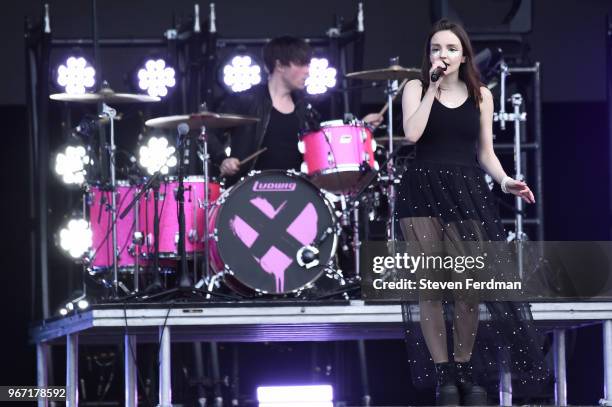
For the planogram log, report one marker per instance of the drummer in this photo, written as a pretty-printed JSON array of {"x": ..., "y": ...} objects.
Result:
[{"x": 281, "y": 108}]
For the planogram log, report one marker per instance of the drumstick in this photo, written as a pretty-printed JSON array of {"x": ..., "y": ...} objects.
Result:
[
  {"x": 386, "y": 106},
  {"x": 255, "y": 154}
]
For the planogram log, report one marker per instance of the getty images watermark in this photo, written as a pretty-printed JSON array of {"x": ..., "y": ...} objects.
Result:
[
  {"x": 435, "y": 265},
  {"x": 486, "y": 271}
]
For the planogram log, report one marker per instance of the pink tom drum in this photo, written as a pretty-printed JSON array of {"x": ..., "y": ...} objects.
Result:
[
  {"x": 338, "y": 155},
  {"x": 167, "y": 207},
  {"x": 261, "y": 228},
  {"x": 100, "y": 218}
]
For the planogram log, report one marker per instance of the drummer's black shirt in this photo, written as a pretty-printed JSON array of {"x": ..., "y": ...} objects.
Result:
[{"x": 281, "y": 139}]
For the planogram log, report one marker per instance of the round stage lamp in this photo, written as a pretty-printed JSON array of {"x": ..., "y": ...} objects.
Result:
[
  {"x": 76, "y": 75},
  {"x": 241, "y": 73},
  {"x": 70, "y": 164},
  {"x": 157, "y": 155},
  {"x": 83, "y": 304},
  {"x": 156, "y": 78},
  {"x": 321, "y": 76},
  {"x": 76, "y": 238}
]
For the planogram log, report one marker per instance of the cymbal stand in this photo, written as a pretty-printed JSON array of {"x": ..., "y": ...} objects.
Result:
[
  {"x": 184, "y": 279},
  {"x": 392, "y": 90},
  {"x": 206, "y": 203},
  {"x": 111, "y": 114}
]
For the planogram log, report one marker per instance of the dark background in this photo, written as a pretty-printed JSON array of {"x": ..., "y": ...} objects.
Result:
[{"x": 568, "y": 38}]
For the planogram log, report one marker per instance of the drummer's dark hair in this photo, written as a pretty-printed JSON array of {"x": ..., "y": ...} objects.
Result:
[
  {"x": 468, "y": 72},
  {"x": 286, "y": 50}
]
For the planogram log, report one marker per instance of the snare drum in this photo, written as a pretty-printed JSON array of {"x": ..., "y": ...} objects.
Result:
[
  {"x": 167, "y": 207},
  {"x": 261, "y": 228},
  {"x": 338, "y": 155},
  {"x": 99, "y": 201}
]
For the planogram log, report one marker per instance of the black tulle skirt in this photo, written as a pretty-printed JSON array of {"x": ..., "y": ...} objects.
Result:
[
  {"x": 449, "y": 194},
  {"x": 453, "y": 203}
]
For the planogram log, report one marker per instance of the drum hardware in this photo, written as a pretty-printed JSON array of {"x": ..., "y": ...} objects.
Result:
[
  {"x": 152, "y": 183},
  {"x": 183, "y": 124},
  {"x": 392, "y": 73},
  {"x": 104, "y": 97},
  {"x": 337, "y": 156},
  {"x": 201, "y": 119},
  {"x": 278, "y": 219},
  {"x": 308, "y": 256},
  {"x": 185, "y": 280}
]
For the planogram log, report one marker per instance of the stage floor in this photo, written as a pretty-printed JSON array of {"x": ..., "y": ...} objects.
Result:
[{"x": 259, "y": 321}]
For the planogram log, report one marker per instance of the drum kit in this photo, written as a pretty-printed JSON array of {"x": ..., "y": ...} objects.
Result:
[{"x": 273, "y": 233}]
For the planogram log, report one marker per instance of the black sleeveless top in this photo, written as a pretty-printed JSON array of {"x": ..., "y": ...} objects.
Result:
[{"x": 451, "y": 135}]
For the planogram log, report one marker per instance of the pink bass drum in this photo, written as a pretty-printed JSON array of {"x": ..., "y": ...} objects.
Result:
[
  {"x": 99, "y": 202},
  {"x": 167, "y": 207},
  {"x": 263, "y": 225},
  {"x": 338, "y": 155}
]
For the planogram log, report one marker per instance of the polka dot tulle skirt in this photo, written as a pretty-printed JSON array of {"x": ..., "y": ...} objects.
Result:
[{"x": 444, "y": 202}]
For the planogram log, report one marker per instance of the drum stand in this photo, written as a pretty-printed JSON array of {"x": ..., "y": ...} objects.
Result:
[
  {"x": 185, "y": 287},
  {"x": 152, "y": 183},
  {"x": 111, "y": 113}
]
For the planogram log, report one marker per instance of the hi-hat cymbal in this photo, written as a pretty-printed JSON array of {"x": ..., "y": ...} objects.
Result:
[
  {"x": 394, "y": 72},
  {"x": 197, "y": 120},
  {"x": 385, "y": 140},
  {"x": 105, "y": 95}
]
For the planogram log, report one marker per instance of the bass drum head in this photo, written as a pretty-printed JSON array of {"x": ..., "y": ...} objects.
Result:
[{"x": 263, "y": 222}]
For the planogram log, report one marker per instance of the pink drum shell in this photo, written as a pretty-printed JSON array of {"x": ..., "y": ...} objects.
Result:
[
  {"x": 102, "y": 239},
  {"x": 168, "y": 221}
]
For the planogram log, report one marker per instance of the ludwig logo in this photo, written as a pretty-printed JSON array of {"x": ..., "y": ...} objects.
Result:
[{"x": 274, "y": 186}]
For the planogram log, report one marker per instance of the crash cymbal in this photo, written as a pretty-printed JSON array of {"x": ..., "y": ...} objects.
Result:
[
  {"x": 394, "y": 72},
  {"x": 105, "y": 95},
  {"x": 197, "y": 120}
]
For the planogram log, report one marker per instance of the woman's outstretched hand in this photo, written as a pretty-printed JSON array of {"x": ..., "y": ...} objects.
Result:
[{"x": 520, "y": 189}]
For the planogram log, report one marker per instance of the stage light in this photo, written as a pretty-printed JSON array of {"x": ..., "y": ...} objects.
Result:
[
  {"x": 241, "y": 73},
  {"x": 156, "y": 78},
  {"x": 157, "y": 155},
  {"x": 311, "y": 396},
  {"x": 70, "y": 164},
  {"x": 83, "y": 304},
  {"x": 76, "y": 75},
  {"x": 321, "y": 76},
  {"x": 63, "y": 312},
  {"x": 70, "y": 306},
  {"x": 76, "y": 237}
]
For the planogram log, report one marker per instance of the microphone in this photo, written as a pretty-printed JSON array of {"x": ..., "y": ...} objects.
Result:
[{"x": 435, "y": 75}]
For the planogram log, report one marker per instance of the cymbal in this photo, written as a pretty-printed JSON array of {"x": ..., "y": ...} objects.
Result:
[
  {"x": 106, "y": 95},
  {"x": 394, "y": 72},
  {"x": 197, "y": 120},
  {"x": 385, "y": 140}
]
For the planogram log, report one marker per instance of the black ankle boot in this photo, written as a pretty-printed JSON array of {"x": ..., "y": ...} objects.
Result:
[
  {"x": 470, "y": 394},
  {"x": 447, "y": 393}
]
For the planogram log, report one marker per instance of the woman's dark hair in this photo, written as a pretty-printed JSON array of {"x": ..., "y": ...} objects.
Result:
[
  {"x": 286, "y": 50},
  {"x": 468, "y": 72}
]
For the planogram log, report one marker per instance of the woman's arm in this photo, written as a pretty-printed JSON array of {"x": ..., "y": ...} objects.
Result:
[
  {"x": 416, "y": 110},
  {"x": 486, "y": 155}
]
